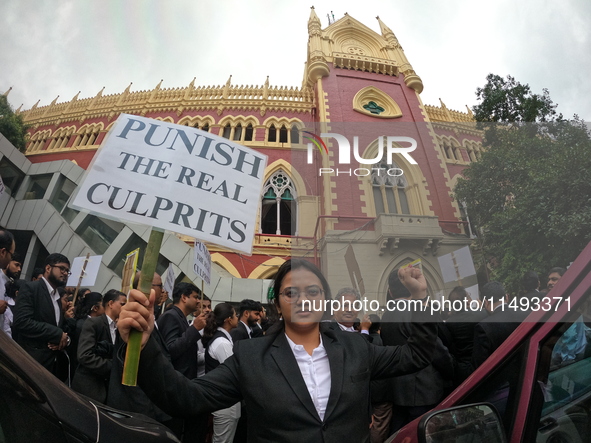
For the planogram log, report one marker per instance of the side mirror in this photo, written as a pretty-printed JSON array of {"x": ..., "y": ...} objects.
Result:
[{"x": 476, "y": 422}]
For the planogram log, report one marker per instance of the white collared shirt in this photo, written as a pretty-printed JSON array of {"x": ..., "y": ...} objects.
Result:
[
  {"x": 221, "y": 349},
  {"x": 345, "y": 328},
  {"x": 3, "y": 281},
  {"x": 315, "y": 370},
  {"x": 54, "y": 297},
  {"x": 112, "y": 328},
  {"x": 248, "y": 329}
]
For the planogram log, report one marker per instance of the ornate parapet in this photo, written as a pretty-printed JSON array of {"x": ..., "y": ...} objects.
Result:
[{"x": 217, "y": 98}]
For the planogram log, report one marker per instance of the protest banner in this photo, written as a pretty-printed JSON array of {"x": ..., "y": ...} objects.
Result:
[
  {"x": 168, "y": 284},
  {"x": 129, "y": 270},
  {"x": 84, "y": 270},
  {"x": 202, "y": 262},
  {"x": 457, "y": 265},
  {"x": 173, "y": 177},
  {"x": 176, "y": 178}
]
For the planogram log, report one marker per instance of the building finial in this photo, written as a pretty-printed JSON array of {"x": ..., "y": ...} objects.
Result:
[
  {"x": 158, "y": 85},
  {"x": 192, "y": 84},
  {"x": 100, "y": 93},
  {"x": 229, "y": 81},
  {"x": 7, "y": 92},
  {"x": 128, "y": 88},
  {"x": 54, "y": 101},
  {"x": 75, "y": 97},
  {"x": 267, "y": 82}
]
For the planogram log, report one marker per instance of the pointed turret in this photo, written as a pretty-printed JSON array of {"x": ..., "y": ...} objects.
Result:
[
  {"x": 75, "y": 97},
  {"x": 411, "y": 79},
  {"x": 100, "y": 93},
  {"x": 7, "y": 92},
  {"x": 317, "y": 64},
  {"x": 157, "y": 88}
]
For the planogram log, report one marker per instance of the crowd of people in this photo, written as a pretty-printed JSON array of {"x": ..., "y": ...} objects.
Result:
[{"x": 236, "y": 374}]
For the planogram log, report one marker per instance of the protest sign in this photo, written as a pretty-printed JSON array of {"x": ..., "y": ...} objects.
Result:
[
  {"x": 129, "y": 270},
  {"x": 177, "y": 178},
  {"x": 202, "y": 263},
  {"x": 168, "y": 284},
  {"x": 84, "y": 274},
  {"x": 457, "y": 265}
]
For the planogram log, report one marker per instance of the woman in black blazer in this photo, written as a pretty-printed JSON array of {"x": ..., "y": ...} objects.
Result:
[{"x": 281, "y": 391}]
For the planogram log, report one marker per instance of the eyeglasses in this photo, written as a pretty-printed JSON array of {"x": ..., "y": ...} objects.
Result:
[
  {"x": 157, "y": 286},
  {"x": 292, "y": 295},
  {"x": 63, "y": 269},
  {"x": 8, "y": 252}
]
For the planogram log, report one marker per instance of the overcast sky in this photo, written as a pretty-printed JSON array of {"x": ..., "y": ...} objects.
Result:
[{"x": 59, "y": 47}]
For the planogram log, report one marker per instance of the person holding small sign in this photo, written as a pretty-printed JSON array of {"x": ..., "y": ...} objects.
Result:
[{"x": 317, "y": 380}]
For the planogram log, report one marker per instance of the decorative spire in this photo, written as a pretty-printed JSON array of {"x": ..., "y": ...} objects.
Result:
[
  {"x": 192, "y": 84},
  {"x": 100, "y": 93},
  {"x": 7, "y": 92},
  {"x": 267, "y": 82},
  {"x": 442, "y": 104},
  {"x": 469, "y": 111},
  {"x": 75, "y": 97},
  {"x": 54, "y": 101},
  {"x": 128, "y": 89},
  {"x": 157, "y": 88},
  {"x": 18, "y": 111},
  {"x": 314, "y": 24},
  {"x": 35, "y": 105},
  {"x": 229, "y": 81}
]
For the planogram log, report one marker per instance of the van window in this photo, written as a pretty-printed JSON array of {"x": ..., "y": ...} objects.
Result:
[
  {"x": 561, "y": 407},
  {"x": 502, "y": 387}
]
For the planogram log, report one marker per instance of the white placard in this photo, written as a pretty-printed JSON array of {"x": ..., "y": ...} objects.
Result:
[
  {"x": 177, "y": 178},
  {"x": 473, "y": 292},
  {"x": 202, "y": 263},
  {"x": 90, "y": 272},
  {"x": 462, "y": 259},
  {"x": 168, "y": 285}
]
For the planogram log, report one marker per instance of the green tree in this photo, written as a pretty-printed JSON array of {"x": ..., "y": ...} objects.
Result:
[
  {"x": 530, "y": 194},
  {"x": 12, "y": 125}
]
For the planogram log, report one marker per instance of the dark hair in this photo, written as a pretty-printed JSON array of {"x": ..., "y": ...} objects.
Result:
[
  {"x": 249, "y": 305},
  {"x": 216, "y": 319},
  {"x": 460, "y": 293},
  {"x": 37, "y": 272},
  {"x": 6, "y": 239},
  {"x": 397, "y": 289},
  {"x": 183, "y": 288},
  {"x": 55, "y": 258},
  {"x": 286, "y": 268},
  {"x": 112, "y": 295},
  {"x": 494, "y": 290},
  {"x": 530, "y": 281},
  {"x": 375, "y": 323},
  {"x": 560, "y": 271},
  {"x": 85, "y": 303},
  {"x": 12, "y": 288},
  {"x": 17, "y": 257}
]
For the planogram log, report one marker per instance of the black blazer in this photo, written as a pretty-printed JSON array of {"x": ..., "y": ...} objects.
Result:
[
  {"x": 425, "y": 387},
  {"x": 265, "y": 374},
  {"x": 35, "y": 325},
  {"x": 491, "y": 332},
  {"x": 181, "y": 341},
  {"x": 94, "y": 369},
  {"x": 239, "y": 333},
  {"x": 461, "y": 329}
]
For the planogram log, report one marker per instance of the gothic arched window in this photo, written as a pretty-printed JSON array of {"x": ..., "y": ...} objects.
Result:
[
  {"x": 279, "y": 207},
  {"x": 389, "y": 191}
]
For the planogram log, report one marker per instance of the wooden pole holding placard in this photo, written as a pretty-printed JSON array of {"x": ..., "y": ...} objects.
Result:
[
  {"x": 134, "y": 345},
  {"x": 80, "y": 279}
]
